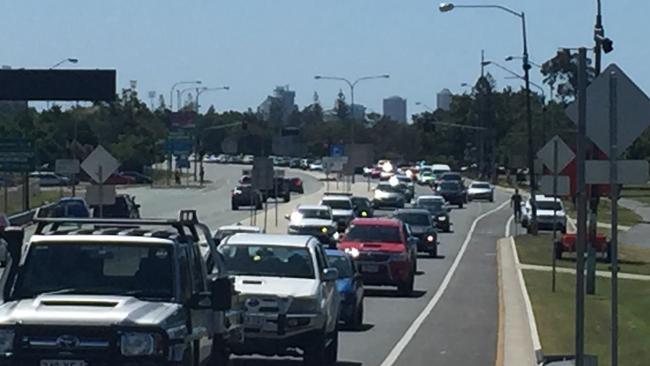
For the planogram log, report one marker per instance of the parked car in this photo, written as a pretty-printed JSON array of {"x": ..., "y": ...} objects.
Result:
[
  {"x": 124, "y": 207},
  {"x": 139, "y": 178},
  {"x": 70, "y": 207},
  {"x": 294, "y": 163},
  {"x": 289, "y": 295},
  {"x": 480, "y": 191},
  {"x": 350, "y": 287},
  {"x": 453, "y": 192},
  {"x": 246, "y": 196},
  {"x": 383, "y": 251},
  {"x": 248, "y": 159},
  {"x": 49, "y": 179},
  {"x": 296, "y": 185},
  {"x": 437, "y": 209},
  {"x": 118, "y": 179},
  {"x": 305, "y": 163},
  {"x": 314, "y": 220},
  {"x": 97, "y": 296},
  {"x": 387, "y": 195},
  {"x": 546, "y": 205},
  {"x": 422, "y": 227},
  {"x": 316, "y": 166}
]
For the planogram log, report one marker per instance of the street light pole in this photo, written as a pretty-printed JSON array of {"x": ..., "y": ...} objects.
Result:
[
  {"x": 171, "y": 92},
  {"x": 71, "y": 60},
  {"x": 352, "y": 85}
]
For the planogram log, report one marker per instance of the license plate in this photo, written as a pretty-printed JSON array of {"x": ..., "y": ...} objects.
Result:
[
  {"x": 63, "y": 363},
  {"x": 254, "y": 321},
  {"x": 370, "y": 268}
]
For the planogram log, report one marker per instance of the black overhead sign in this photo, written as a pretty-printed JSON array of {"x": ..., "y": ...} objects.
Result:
[{"x": 71, "y": 85}]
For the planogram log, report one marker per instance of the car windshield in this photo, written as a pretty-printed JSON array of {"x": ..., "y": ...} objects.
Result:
[
  {"x": 415, "y": 219},
  {"x": 342, "y": 264},
  {"x": 451, "y": 186},
  {"x": 481, "y": 186},
  {"x": 271, "y": 261},
  {"x": 549, "y": 205},
  {"x": 431, "y": 204},
  {"x": 316, "y": 214},
  {"x": 360, "y": 202},
  {"x": 338, "y": 204},
  {"x": 389, "y": 188},
  {"x": 99, "y": 269},
  {"x": 452, "y": 177},
  {"x": 373, "y": 233}
]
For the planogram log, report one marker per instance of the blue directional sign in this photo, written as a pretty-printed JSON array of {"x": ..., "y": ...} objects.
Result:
[
  {"x": 337, "y": 150},
  {"x": 16, "y": 155}
]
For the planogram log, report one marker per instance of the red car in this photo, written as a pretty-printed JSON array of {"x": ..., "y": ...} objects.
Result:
[
  {"x": 383, "y": 251},
  {"x": 375, "y": 173},
  {"x": 119, "y": 179},
  {"x": 296, "y": 185}
]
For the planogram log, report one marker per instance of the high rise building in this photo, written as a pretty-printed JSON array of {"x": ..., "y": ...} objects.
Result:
[
  {"x": 444, "y": 99},
  {"x": 281, "y": 102},
  {"x": 395, "y": 109}
]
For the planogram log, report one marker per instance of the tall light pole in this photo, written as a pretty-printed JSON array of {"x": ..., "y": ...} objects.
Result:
[
  {"x": 352, "y": 85},
  {"x": 198, "y": 142},
  {"x": 200, "y": 91},
  {"x": 537, "y": 65},
  {"x": 71, "y": 60},
  {"x": 171, "y": 92},
  {"x": 447, "y": 7}
]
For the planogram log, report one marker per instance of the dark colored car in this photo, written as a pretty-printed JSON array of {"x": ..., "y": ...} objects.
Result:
[
  {"x": 453, "y": 192},
  {"x": 123, "y": 208},
  {"x": 451, "y": 177},
  {"x": 350, "y": 286},
  {"x": 294, "y": 163},
  {"x": 118, "y": 179},
  {"x": 383, "y": 251},
  {"x": 422, "y": 227},
  {"x": 138, "y": 177},
  {"x": 71, "y": 207},
  {"x": 296, "y": 185},
  {"x": 281, "y": 190},
  {"x": 437, "y": 209},
  {"x": 245, "y": 195},
  {"x": 363, "y": 207}
]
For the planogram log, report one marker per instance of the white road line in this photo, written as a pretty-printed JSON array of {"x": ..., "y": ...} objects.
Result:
[
  {"x": 508, "y": 225},
  {"x": 417, "y": 323}
]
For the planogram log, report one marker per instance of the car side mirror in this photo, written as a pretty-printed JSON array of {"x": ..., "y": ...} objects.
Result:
[
  {"x": 330, "y": 274},
  {"x": 221, "y": 293},
  {"x": 201, "y": 301}
]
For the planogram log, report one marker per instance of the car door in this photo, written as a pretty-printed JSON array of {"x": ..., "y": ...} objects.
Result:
[{"x": 327, "y": 289}]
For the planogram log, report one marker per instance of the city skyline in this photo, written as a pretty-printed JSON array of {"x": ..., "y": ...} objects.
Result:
[{"x": 227, "y": 43}]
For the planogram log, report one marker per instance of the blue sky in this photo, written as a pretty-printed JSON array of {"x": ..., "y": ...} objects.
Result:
[{"x": 254, "y": 45}]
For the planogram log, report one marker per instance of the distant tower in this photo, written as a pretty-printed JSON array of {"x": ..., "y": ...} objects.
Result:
[
  {"x": 316, "y": 98},
  {"x": 444, "y": 99},
  {"x": 395, "y": 109}
]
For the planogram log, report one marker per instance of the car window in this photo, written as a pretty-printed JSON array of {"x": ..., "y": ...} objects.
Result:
[
  {"x": 337, "y": 204},
  {"x": 342, "y": 263},
  {"x": 271, "y": 260},
  {"x": 415, "y": 219},
  {"x": 449, "y": 185},
  {"x": 549, "y": 205},
  {"x": 481, "y": 185},
  {"x": 374, "y": 233},
  {"x": 315, "y": 214}
]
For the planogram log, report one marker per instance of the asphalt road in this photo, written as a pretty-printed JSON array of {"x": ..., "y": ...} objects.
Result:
[{"x": 459, "y": 326}]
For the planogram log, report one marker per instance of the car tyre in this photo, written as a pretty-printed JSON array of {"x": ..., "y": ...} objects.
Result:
[
  {"x": 406, "y": 288},
  {"x": 491, "y": 198},
  {"x": 357, "y": 319},
  {"x": 460, "y": 205},
  {"x": 317, "y": 354},
  {"x": 434, "y": 252},
  {"x": 235, "y": 207},
  {"x": 220, "y": 355}
]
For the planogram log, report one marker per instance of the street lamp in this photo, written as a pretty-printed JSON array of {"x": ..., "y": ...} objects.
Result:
[
  {"x": 447, "y": 7},
  {"x": 425, "y": 106},
  {"x": 171, "y": 92},
  {"x": 539, "y": 66},
  {"x": 352, "y": 85},
  {"x": 200, "y": 91},
  {"x": 71, "y": 60}
]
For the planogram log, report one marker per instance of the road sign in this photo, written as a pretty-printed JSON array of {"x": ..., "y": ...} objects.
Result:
[
  {"x": 16, "y": 155},
  {"x": 629, "y": 172},
  {"x": 563, "y": 185},
  {"x": 100, "y": 195},
  {"x": 633, "y": 110},
  {"x": 66, "y": 166},
  {"x": 182, "y": 162},
  {"x": 100, "y": 161},
  {"x": 334, "y": 164},
  {"x": 564, "y": 154},
  {"x": 73, "y": 85},
  {"x": 178, "y": 143},
  {"x": 337, "y": 150},
  {"x": 263, "y": 172},
  {"x": 279, "y": 173}
]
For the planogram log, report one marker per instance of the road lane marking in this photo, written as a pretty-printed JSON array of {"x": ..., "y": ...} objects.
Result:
[
  {"x": 417, "y": 323},
  {"x": 508, "y": 225}
]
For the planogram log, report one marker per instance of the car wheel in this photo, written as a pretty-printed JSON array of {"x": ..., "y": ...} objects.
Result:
[
  {"x": 235, "y": 207},
  {"x": 287, "y": 199},
  {"x": 460, "y": 205},
  {"x": 259, "y": 206},
  {"x": 492, "y": 199},
  {"x": 314, "y": 354},
  {"x": 220, "y": 355},
  {"x": 406, "y": 288},
  {"x": 332, "y": 350},
  {"x": 434, "y": 252},
  {"x": 357, "y": 320}
]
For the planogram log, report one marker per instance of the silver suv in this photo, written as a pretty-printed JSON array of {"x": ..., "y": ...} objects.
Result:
[{"x": 289, "y": 296}]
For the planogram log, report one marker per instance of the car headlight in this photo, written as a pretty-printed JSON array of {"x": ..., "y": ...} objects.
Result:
[
  {"x": 352, "y": 252},
  {"x": 140, "y": 344},
  {"x": 364, "y": 214},
  {"x": 324, "y": 230},
  {"x": 431, "y": 238},
  {"x": 7, "y": 340},
  {"x": 303, "y": 305},
  {"x": 442, "y": 218}
]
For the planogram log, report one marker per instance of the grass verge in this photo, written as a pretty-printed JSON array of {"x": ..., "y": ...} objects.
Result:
[
  {"x": 554, "y": 313},
  {"x": 539, "y": 250},
  {"x": 45, "y": 196},
  {"x": 626, "y": 217}
]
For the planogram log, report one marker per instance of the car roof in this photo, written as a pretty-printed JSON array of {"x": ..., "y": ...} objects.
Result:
[
  {"x": 313, "y": 207},
  {"x": 335, "y": 198},
  {"x": 431, "y": 197},
  {"x": 281, "y": 240},
  {"x": 541, "y": 198},
  {"x": 251, "y": 229},
  {"x": 412, "y": 211},
  {"x": 376, "y": 222},
  {"x": 473, "y": 183},
  {"x": 98, "y": 239}
]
